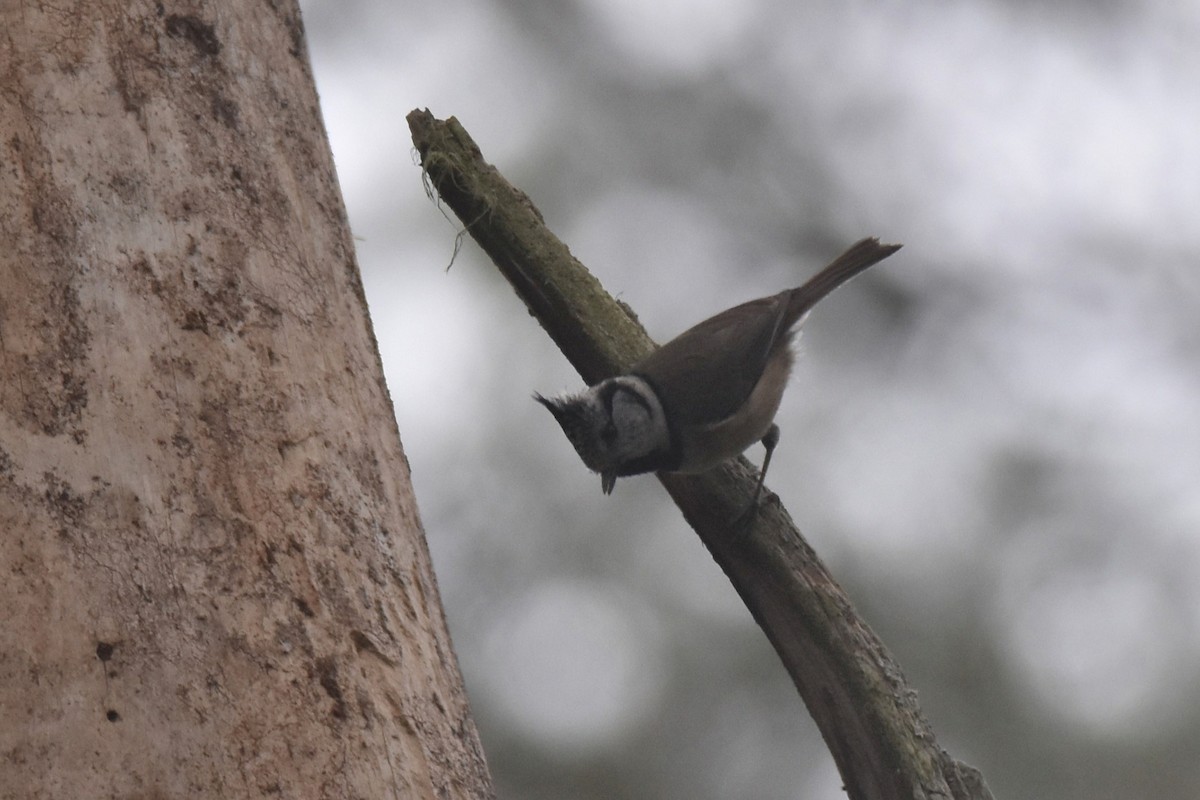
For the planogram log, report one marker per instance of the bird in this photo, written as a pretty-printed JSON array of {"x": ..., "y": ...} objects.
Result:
[{"x": 708, "y": 394}]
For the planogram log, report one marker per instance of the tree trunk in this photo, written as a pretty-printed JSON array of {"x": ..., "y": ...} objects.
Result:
[{"x": 214, "y": 582}]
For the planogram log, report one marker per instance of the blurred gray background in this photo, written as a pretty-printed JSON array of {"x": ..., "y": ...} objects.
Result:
[{"x": 993, "y": 438}]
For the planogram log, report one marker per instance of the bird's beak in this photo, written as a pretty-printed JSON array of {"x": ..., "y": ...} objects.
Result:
[{"x": 607, "y": 481}]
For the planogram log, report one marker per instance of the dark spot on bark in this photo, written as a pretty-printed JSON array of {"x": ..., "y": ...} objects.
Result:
[
  {"x": 112, "y": 715},
  {"x": 195, "y": 320},
  {"x": 362, "y": 641},
  {"x": 327, "y": 674},
  {"x": 104, "y": 650},
  {"x": 225, "y": 110},
  {"x": 363, "y": 644},
  {"x": 304, "y": 607},
  {"x": 183, "y": 445},
  {"x": 295, "y": 27},
  {"x": 199, "y": 33},
  {"x": 267, "y": 558},
  {"x": 64, "y": 505}
]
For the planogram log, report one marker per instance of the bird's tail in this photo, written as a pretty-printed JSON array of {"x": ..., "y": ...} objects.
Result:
[{"x": 860, "y": 256}]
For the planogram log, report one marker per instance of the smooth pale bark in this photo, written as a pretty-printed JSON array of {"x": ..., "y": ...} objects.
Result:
[{"x": 214, "y": 581}]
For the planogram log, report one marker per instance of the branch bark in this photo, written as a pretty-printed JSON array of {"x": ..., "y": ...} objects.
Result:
[{"x": 867, "y": 713}]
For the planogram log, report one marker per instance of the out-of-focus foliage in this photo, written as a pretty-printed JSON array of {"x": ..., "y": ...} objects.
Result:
[{"x": 993, "y": 438}]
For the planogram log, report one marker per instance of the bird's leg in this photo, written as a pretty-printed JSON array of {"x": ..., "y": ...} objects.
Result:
[{"x": 769, "y": 440}]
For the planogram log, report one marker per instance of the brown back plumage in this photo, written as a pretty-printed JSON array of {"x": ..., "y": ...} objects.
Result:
[{"x": 707, "y": 372}]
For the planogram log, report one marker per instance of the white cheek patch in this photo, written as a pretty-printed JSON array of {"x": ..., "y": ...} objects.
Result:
[
  {"x": 629, "y": 414},
  {"x": 638, "y": 417}
]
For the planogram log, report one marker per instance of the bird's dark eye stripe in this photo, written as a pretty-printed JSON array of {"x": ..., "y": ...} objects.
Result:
[
  {"x": 606, "y": 395},
  {"x": 641, "y": 401}
]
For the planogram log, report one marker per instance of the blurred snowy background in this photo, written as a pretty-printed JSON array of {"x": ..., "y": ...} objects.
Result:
[{"x": 993, "y": 438}]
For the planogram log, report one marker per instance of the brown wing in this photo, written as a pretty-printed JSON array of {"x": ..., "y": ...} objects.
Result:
[{"x": 706, "y": 373}]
